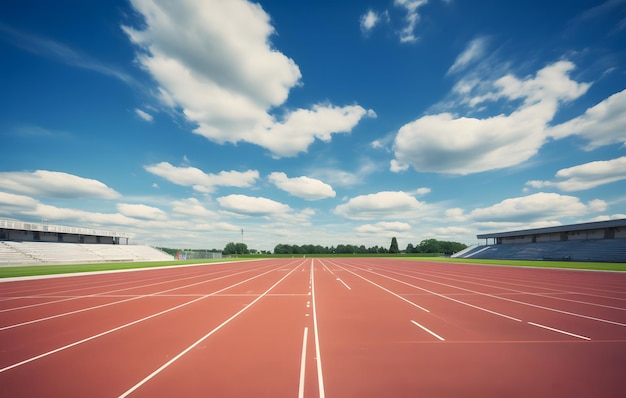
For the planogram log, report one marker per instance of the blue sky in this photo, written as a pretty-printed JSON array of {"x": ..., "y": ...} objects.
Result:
[{"x": 323, "y": 122}]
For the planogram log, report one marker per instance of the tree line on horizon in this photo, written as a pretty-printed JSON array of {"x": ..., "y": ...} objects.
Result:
[{"x": 425, "y": 246}]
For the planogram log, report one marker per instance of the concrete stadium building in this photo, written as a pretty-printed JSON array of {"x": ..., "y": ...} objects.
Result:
[{"x": 602, "y": 241}]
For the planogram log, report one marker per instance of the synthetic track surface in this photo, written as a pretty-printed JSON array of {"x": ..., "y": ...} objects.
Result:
[{"x": 316, "y": 328}]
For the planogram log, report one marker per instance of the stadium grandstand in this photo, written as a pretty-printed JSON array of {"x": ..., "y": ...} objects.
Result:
[
  {"x": 602, "y": 241},
  {"x": 24, "y": 243}
]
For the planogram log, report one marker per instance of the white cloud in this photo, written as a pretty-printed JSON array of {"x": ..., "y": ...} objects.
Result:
[
  {"x": 475, "y": 49},
  {"x": 144, "y": 115},
  {"x": 301, "y": 127},
  {"x": 420, "y": 191},
  {"x": 602, "y": 124},
  {"x": 446, "y": 143},
  {"x": 451, "y": 232},
  {"x": 253, "y": 206},
  {"x": 407, "y": 35},
  {"x": 387, "y": 204},
  {"x": 384, "y": 227},
  {"x": 302, "y": 187},
  {"x": 586, "y": 176},
  {"x": 141, "y": 211},
  {"x": 199, "y": 180},
  {"x": 342, "y": 178},
  {"x": 11, "y": 204},
  {"x": 368, "y": 21},
  {"x": 214, "y": 60},
  {"x": 191, "y": 207},
  {"x": 536, "y": 207},
  {"x": 54, "y": 184}
]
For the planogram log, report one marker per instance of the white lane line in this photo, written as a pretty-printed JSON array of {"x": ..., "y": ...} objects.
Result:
[
  {"x": 505, "y": 299},
  {"x": 329, "y": 270},
  {"x": 95, "y": 336},
  {"x": 320, "y": 378},
  {"x": 303, "y": 363},
  {"x": 192, "y": 346},
  {"x": 344, "y": 283},
  {"x": 429, "y": 331},
  {"x": 108, "y": 293},
  {"x": 447, "y": 297},
  {"x": 559, "y": 331},
  {"x": 115, "y": 302},
  {"x": 385, "y": 289}
]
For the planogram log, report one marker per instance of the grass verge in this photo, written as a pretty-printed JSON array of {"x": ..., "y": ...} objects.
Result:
[
  {"x": 540, "y": 264},
  {"x": 35, "y": 270}
]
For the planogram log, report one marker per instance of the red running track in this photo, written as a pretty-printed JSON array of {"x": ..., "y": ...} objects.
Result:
[{"x": 314, "y": 328}]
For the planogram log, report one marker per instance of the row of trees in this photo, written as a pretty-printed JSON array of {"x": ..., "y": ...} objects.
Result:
[
  {"x": 282, "y": 248},
  {"x": 425, "y": 246},
  {"x": 435, "y": 246}
]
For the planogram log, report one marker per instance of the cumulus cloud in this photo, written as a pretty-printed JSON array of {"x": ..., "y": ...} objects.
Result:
[
  {"x": 384, "y": 227},
  {"x": 11, "y": 204},
  {"x": 446, "y": 143},
  {"x": 215, "y": 61},
  {"x": 475, "y": 49},
  {"x": 586, "y": 176},
  {"x": 141, "y": 211},
  {"x": 536, "y": 207},
  {"x": 602, "y": 124},
  {"x": 302, "y": 187},
  {"x": 252, "y": 206},
  {"x": 191, "y": 207},
  {"x": 54, "y": 184},
  {"x": 201, "y": 181},
  {"x": 386, "y": 204}
]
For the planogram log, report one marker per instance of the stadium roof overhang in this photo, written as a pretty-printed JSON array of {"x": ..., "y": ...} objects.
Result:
[
  {"x": 61, "y": 229},
  {"x": 558, "y": 229}
]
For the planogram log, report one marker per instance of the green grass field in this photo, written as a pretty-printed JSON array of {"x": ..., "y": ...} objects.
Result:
[{"x": 9, "y": 271}]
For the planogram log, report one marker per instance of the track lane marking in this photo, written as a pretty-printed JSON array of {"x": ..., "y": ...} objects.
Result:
[
  {"x": 303, "y": 363},
  {"x": 48, "y": 353},
  {"x": 113, "y": 303},
  {"x": 497, "y": 297},
  {"x": 320, "y": 377},
  {"x": 383, "y": 288},
  {"x": 192, "y": 346},
  {"x": 559, "y": 331},
  {"x": 428, "y": 330},
  {"x": 344, "y": 283},
  {"x": 553, "y": 295},
  {"x": 63, "y": 298}
]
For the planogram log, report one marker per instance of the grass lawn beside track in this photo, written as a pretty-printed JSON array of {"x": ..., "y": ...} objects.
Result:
[
  {"x": 524, "y": 263},
  {"x": 38, "y": 270}
]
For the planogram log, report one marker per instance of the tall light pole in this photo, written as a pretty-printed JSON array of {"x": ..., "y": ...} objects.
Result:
[{"x": 242, "y": 235}]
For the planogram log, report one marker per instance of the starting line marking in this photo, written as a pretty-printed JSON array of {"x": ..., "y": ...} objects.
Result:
[{"x": 427, "y": 330}]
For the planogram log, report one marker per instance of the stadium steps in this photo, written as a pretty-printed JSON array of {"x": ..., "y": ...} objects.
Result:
[
  {"x": 34, "y": 253},
  {"x": 600, "y": 250},
  {"x": 10, "y": 255}
]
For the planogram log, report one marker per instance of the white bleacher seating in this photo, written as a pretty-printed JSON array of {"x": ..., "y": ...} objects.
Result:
[{"x": 23, "y": 253}]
